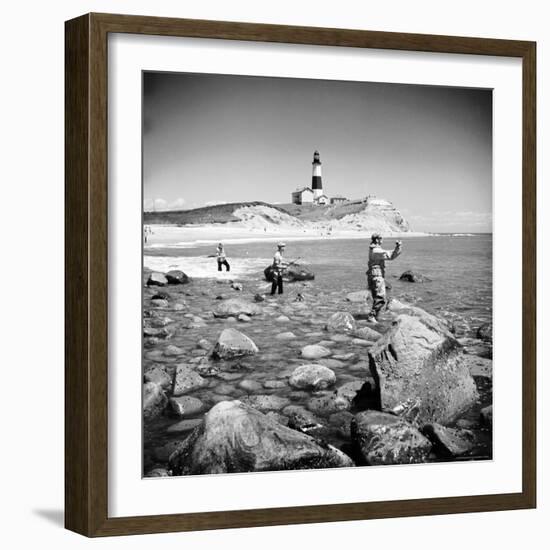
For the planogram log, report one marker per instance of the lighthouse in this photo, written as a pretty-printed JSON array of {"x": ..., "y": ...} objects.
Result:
[{"x": 316, "y": 179}]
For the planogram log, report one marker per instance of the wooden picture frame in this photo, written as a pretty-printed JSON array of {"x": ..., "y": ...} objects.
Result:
[{"x": 86, "y": 282}]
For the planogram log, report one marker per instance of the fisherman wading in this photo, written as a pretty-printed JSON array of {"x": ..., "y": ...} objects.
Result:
[
  {"x": 277, "y": 269},
  {"x": 376, "y": 273},
  {"x": 222, "y": 260}
]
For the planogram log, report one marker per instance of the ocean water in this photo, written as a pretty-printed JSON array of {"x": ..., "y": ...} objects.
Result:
[
  {"x": 460, "y": 269},
  {"x": 460, "y": 290}
]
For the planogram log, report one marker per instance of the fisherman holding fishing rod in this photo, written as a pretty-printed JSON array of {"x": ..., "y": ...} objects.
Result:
[{"x": 277, "y": 269}]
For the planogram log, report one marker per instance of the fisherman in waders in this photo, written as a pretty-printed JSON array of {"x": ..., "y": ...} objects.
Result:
[
  {"x": 277, "y": 268},
  {"x": 222, "y": 260},
  {"x": 376, "y": 273}
]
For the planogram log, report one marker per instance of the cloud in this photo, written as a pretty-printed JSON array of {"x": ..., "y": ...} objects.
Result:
[
  {"x": 214, "y": 203},
  {"x": 178, "y": 203},
  {"x": 162, "y": 204}
]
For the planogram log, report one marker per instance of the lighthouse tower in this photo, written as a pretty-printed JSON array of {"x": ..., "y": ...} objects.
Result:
[{"x": 316, "y": 180}]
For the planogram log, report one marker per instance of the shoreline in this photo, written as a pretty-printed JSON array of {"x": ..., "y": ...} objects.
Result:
[{"x": 172, "y": 236}]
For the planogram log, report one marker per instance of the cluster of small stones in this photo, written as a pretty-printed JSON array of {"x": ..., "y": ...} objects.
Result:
[{"x": 305, "y": 365}]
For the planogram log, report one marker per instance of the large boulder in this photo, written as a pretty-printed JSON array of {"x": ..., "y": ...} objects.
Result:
[
  {"x": 383, "y": 438},
  {"x": 413, "y": 277},
  {"x": 176, "y": 277},
  {"x": 435, "y": 323},
  {"x": 312, "y": 377},
  {"x": 420, "y": 373},
  {"x": 293, "y": 273},
  {"x": 157, "y": 279},
  {"x": 236, "y": 438},
  {"x": 341, "y": 321},
  {"x": 233, "y": 343},
  {"x": 236, "y": 307}
]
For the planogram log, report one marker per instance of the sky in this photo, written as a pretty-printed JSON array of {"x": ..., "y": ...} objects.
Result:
[{"x": 211, "y": 139}]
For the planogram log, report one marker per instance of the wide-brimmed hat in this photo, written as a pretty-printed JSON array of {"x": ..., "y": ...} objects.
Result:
[{"x": 281, "y": 245}]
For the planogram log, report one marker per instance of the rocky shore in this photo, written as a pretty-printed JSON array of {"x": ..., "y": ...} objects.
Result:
[{"x": 236, "y": 381}]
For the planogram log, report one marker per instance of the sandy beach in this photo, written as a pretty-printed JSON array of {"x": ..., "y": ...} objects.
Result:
[{"x": 165, "y": 236}]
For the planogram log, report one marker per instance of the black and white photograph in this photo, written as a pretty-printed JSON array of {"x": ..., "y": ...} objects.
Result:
[{"x": 317, "y": 274}]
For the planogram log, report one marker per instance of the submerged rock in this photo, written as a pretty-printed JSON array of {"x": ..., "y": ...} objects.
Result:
[
  {"x": 413, "y": 277},
  {"x": 274, "y": 384},
  {"x": 176, "y": 277},
  {"x": 161, "y": 295},
  {"x": 485, "y": 332},
  {"x": 383, "y": 438},
  {"x": 233, "y": 343},
  {"x": 366, "y": 333},
  {"x": 172, "y": 351},
  {"x": 236, "y": 307},
  {"x": 157, "y": 279},
  {"x": 237, "y": 438},
  {"x": 328, "y": 404},
  {"x": 186, "y": 406},
  {"x": 249, "y": 386},
  {"x": 341, "y": 321},
  {"x": 159, "y": 333},
  {"x": 420, "y": 373},
  {"x": 184, "y": 425},
  {"x": 314, "y": 351},
  {"x": 358, "y": 297},
  {"x": 266, "y": 402},
  {"x": 204, "y": 344},
  {"x": 285, "y": 336},
  {"x": 299, "y": 418},
  {"x": 159, "y": 302},
  {"x": 312, "y": 377}
]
